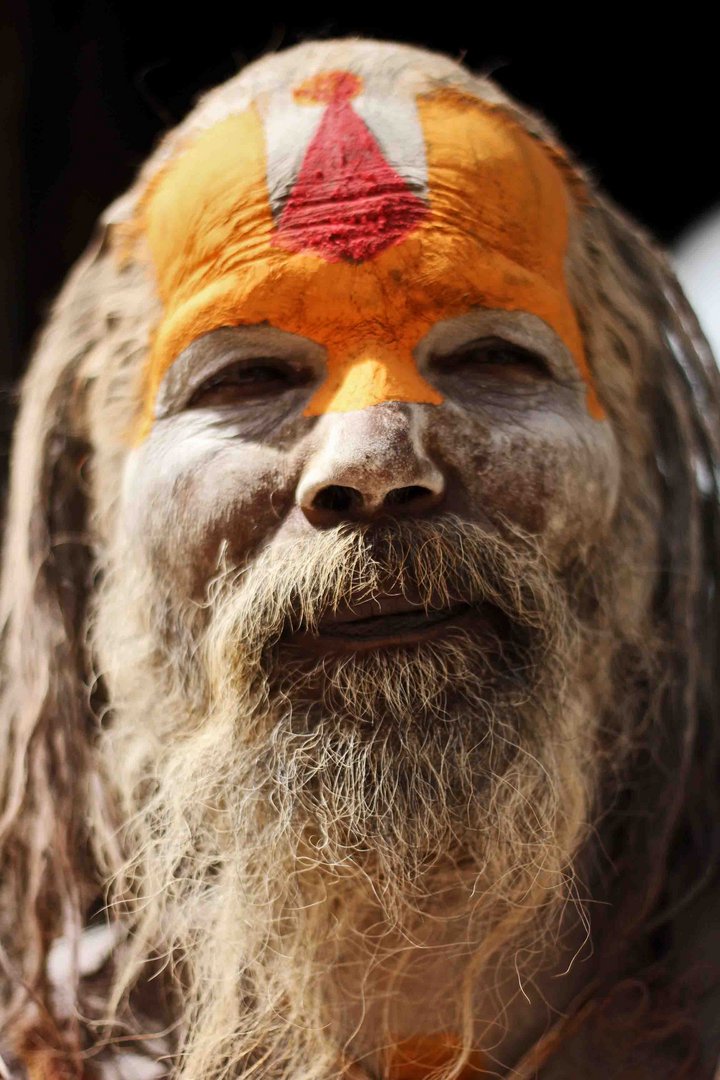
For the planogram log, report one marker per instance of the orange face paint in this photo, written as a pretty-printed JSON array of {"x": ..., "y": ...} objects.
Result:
[{"x": 361, "y": 247}]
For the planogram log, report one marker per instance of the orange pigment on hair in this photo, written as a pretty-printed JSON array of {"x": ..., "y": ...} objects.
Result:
[{"x": 422, "y": 1056}]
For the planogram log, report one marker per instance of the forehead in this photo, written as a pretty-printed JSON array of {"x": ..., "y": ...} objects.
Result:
[{"x": 346, "y": 213}]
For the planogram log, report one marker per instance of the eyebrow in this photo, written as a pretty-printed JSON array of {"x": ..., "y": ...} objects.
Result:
[
  {"x": 521, "y": 328},
  {"x": 178, "y": 380}
]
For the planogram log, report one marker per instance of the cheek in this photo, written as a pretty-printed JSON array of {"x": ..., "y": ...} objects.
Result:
[
  {"x": 188, "y": 495},
  {"x": 555, "y": 477}
]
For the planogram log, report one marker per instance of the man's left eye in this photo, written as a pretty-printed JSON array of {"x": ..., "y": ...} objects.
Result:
[
  {"x": 494, "y": 356},
  {"x": 248, "y": 380}
]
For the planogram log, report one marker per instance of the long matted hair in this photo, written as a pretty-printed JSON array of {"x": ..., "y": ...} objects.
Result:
[{"x": 661, "y": 830}]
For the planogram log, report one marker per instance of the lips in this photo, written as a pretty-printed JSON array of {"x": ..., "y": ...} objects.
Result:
[
  {"x": 382, "y": 621},
  {"x": 398, "y": 623}
]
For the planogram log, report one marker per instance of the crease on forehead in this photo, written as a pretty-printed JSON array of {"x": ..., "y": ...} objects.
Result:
[{"x": 502, "y": 261}]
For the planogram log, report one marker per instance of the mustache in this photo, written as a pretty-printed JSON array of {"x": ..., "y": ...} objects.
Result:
[{"x": 433, "y": 563}]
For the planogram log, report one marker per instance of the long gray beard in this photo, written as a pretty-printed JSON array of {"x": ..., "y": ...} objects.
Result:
[{"x": 273, "y": 807}]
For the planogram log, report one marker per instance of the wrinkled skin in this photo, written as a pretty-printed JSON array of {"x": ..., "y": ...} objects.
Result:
[
  {"x": 237, "y": 462},
  {"x": 232, "y": 464}
]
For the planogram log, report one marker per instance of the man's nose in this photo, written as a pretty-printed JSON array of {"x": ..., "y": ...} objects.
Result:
[{"x": 368, "y": 464}]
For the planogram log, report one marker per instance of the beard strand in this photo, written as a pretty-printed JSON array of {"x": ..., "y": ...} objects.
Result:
[{"x": 277, "y": 805}]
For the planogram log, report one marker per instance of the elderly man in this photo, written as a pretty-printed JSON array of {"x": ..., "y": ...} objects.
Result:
[{"x": 360, "y": 610}]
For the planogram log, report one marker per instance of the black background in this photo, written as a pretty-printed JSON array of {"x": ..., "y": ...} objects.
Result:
[{"x": 87, "y": 87}]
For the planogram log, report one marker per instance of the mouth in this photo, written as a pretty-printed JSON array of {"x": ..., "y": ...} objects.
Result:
[{"x": 381, "y": 622}]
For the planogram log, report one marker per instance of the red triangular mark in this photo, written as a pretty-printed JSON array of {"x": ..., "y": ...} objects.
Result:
[{"x": 347, "y": 202}]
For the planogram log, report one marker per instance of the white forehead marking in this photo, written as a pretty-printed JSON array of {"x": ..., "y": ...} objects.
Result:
[
  {"x": 396, "y": 125},
  {"x": 389, "y": 72},
  {"x": 290, "y": 128}
]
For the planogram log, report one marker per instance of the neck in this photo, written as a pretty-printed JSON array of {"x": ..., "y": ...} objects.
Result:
[{"x": 446, "y": 985}]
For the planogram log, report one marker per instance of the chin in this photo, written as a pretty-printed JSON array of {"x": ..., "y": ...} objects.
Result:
[{"x": 277, "y": 802}]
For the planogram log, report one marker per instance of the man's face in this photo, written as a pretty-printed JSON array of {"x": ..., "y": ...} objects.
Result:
[
  {"x": 370, "y": 449},
  {"x": 349, "y": 624},
  {"x": 381, "y": 329},
  {"x": 388, "y": 587}
]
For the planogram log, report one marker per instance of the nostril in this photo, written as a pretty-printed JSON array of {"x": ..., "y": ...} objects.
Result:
[
  {"x": 403, "y": 496},
  {"x": 338, "y": 498}
]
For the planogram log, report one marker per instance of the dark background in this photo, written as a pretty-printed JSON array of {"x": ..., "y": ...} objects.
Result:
[{"x": 87, "y": 87}]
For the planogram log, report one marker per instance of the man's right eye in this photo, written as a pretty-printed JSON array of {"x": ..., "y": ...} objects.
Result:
[{"x": 248, "y": 380}]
